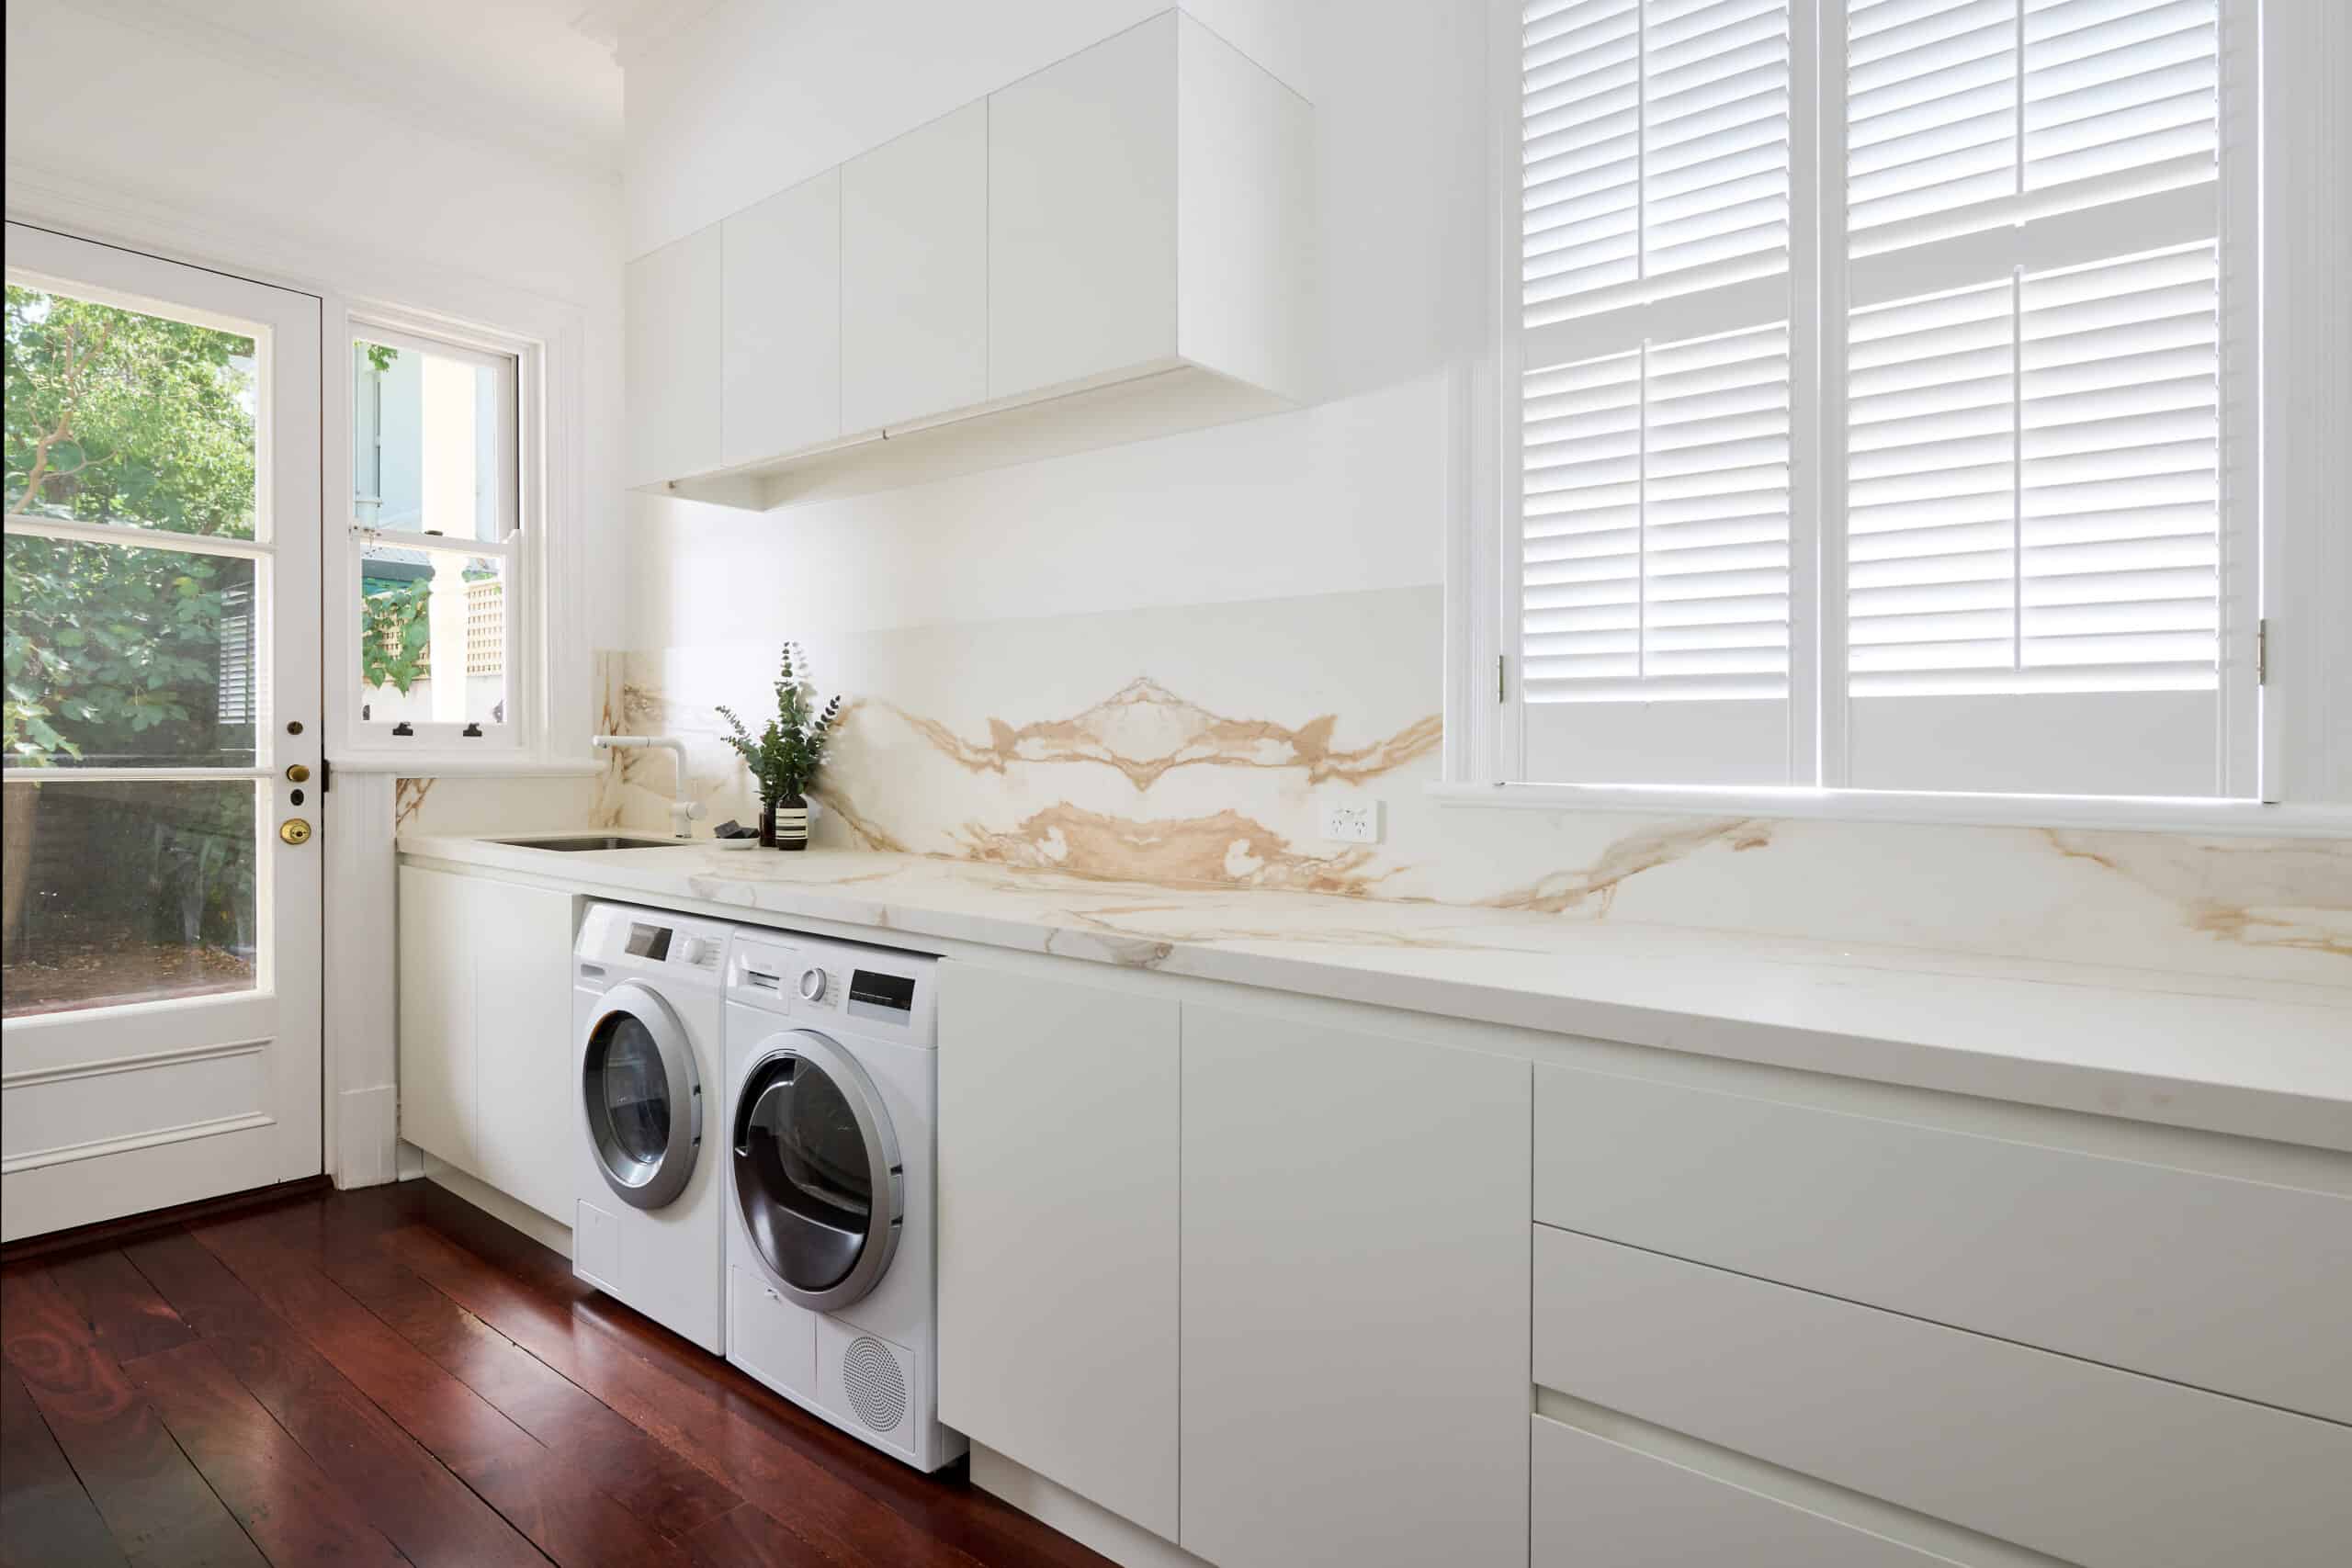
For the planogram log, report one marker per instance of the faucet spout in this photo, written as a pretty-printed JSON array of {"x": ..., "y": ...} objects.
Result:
[{"x": 682, "y": 811}]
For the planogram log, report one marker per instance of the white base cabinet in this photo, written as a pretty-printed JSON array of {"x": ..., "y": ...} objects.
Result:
[
  {"x": 1355, "y": 1298},
  {"x": 485, "y": 1030},
  {"x": 1261, "y": 1287},
  {"x": 1057, "y": 1283}
]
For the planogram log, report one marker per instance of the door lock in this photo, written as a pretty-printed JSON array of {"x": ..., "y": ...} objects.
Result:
[
  {"x": 297, "y": 773},
  {"x": 294, "y": 830}
]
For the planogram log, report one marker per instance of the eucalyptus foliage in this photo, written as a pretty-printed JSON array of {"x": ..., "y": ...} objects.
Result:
[{"x": 786, "y": 757}]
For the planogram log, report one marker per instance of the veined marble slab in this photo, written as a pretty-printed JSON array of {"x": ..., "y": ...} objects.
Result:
[{"x": 2260, "y": 1058}]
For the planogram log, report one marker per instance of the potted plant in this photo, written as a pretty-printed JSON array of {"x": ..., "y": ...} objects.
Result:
[{"x": 783, "y": 759}]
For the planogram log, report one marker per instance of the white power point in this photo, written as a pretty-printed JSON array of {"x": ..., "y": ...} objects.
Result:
[{"x": 1351, "y": 821}]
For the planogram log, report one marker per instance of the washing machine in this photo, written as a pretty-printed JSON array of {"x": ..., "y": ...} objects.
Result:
[
  {"x": 832, "y": 1259},
  {"x": 650, "y": 1194}
]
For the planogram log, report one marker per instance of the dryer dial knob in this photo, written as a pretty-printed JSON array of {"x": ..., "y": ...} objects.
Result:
[{"x": 812, "y": 985}]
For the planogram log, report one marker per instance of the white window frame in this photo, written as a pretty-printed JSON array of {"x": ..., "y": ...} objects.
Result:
[
  {"x": 2293, "y": 780},
  {"x": 529, "y": 555}
]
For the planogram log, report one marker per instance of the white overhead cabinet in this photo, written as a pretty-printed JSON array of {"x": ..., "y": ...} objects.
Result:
[
  {"x": 672, "y": 340},
  {"x": 914, "y": 297},
  {"x": 1113, "y": 248},
  {"x": 781, "y": 313}
]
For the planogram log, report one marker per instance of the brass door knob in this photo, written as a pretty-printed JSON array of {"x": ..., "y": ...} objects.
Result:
[
  {"x": 294, "y": 830},
  {"x": 299, "y": 773}
]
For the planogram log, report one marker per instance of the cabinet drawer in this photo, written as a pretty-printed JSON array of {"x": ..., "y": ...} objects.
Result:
[
  {"x": 2225, "y": 1284},
  {"x": 1599, "y": 1505},
  {"x": 2101, "y": 1467}
]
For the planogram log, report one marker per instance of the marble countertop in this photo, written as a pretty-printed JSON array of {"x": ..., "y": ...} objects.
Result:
[{"x": 2259, "y": 1058}]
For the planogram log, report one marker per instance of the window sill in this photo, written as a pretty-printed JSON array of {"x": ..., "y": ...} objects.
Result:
[
  {"x": 2249, "y": 818},
  {"x": 443, "y": 765}
]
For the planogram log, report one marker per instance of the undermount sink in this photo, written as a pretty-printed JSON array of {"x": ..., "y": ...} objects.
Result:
[{"x": 597, "y": 841}]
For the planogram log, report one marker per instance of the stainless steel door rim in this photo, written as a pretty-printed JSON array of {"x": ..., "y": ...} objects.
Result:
[
  {"x": 809, "y": 1130},
  {"x": 646, "y": 1145}
]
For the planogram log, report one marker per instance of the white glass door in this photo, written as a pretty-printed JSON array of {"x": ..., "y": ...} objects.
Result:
[{"x": 162, "y": 1032}]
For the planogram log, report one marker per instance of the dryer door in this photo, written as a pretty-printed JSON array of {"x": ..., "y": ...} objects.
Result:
[
  {"x": 816, "y": 1171},
  {"x": 641, "y": 1095}
]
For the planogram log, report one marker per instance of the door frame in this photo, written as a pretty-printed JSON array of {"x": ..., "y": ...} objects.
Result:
[
  {"x": 282, "y": 1015},
  {"x": 359, "y": 1077}
]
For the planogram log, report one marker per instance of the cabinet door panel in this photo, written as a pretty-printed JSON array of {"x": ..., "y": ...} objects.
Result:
[
  {"x": 2104, "y": 1468},
  {"x": 2231, "y": 1285},
  {"x": 1082, "y": 213},
  {"x": 526, "y": 1105},
  {"x": 1599, "y": 1504},
  {"x": 672, "y": 337},
  {"x": 782, "y": 361},
  {"x": 437, "y": 1026},
  {"x": 1355, "y": 1308},
  {"x": 914, "y": 273},
  {"x": 1057, "y": 1283}
]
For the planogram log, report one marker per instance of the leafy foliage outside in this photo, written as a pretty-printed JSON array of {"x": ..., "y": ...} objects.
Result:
[
  {"x": 786, "y": 757},
  {"x": 394, "y": 642},
  {"x": 115, "y": 654}
]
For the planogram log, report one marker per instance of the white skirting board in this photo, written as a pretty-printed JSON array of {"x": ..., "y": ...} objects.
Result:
[
  {"x": 366, "y": 1145},
  {"x": 1088, "y": 1524},
  {"x": 547, "y": 1231}
]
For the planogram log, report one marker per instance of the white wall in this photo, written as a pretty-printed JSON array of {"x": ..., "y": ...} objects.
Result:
[{"x": 135, "y": 122}]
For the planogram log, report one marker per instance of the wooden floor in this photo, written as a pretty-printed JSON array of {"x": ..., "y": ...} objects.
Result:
[{"x": 392, "y": 1376}]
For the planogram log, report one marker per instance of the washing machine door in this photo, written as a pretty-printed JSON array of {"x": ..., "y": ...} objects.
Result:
[
  {"x": 641, "y": 1097},
  {"x": 817, "y": 1172}
]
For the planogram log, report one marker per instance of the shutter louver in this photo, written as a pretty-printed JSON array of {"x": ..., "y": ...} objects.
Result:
[
  {"x": 1946, "y": 134},
  {"x": 1654, "y": 149},
  {"x": 1655, "y": 559},
  {"x": 2032, "y": 484}
]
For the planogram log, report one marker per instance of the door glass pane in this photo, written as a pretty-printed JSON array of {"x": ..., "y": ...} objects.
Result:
[
  {"x": 115, "y": 416},
  {"x": 823, "y": 1154},
  {"x": 122, "y": 657},
  {"x": 636, "y": 1091},
  {"x": 429, "y": 443},
  {"x": 433, "y": 648},
  {"x": 126, "y": 892}
]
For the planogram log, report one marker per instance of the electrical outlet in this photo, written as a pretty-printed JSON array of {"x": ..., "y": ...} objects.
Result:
[{"x": 1351, "y": 821}]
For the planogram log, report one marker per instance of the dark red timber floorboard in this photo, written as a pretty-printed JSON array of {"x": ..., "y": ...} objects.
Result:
[
  {"x": 392, "y": 1375},
  {"x": 156, "y": 1505},
  {"x": 45, "y": 1515}
]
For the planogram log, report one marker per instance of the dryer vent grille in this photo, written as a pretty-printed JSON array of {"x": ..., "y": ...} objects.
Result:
[{"x": 878, "y": 1390}]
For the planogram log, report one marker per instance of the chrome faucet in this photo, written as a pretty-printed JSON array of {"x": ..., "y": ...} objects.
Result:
[{"x": 682, "y": 810}]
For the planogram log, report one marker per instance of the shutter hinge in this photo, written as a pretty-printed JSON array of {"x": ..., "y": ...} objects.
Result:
[
  {"x": 2262, "y": 651},
  {"x": 1502, "y": 688}
]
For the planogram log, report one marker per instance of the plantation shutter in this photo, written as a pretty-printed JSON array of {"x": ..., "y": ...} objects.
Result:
[
  {"x": 2037, "y": 556},
  {"x": 1655, "y": 430},
  {"x": 1933, "y": 472}
]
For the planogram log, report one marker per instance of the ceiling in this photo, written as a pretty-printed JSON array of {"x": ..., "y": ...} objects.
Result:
[{"x": 539, "y": 75}]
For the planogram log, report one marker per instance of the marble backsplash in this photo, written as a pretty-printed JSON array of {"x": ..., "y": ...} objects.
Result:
[{"x": 1191, "y": 747}]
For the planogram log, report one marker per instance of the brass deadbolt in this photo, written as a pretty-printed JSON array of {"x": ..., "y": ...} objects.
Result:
[
  {"x": 299, "y": 773},
  {"x": 294, "y": 830}
]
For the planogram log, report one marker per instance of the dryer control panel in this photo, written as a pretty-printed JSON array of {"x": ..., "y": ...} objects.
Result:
[{"x": 870, "y": 989}]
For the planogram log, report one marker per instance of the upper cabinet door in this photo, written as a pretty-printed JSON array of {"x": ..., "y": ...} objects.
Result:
[
  {"x": 1081, "y": 214},
  {"x": 782, "y": 360},
  {"x": 674, "y": 335},
  {"x": 914, "y": 273}
]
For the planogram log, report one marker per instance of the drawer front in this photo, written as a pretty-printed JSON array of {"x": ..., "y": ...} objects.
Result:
[
  {"x": 2101, "y": 1467},
  {"x": 2225, "y": 1284},
  {"x": 1599, "y": 1505}
]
